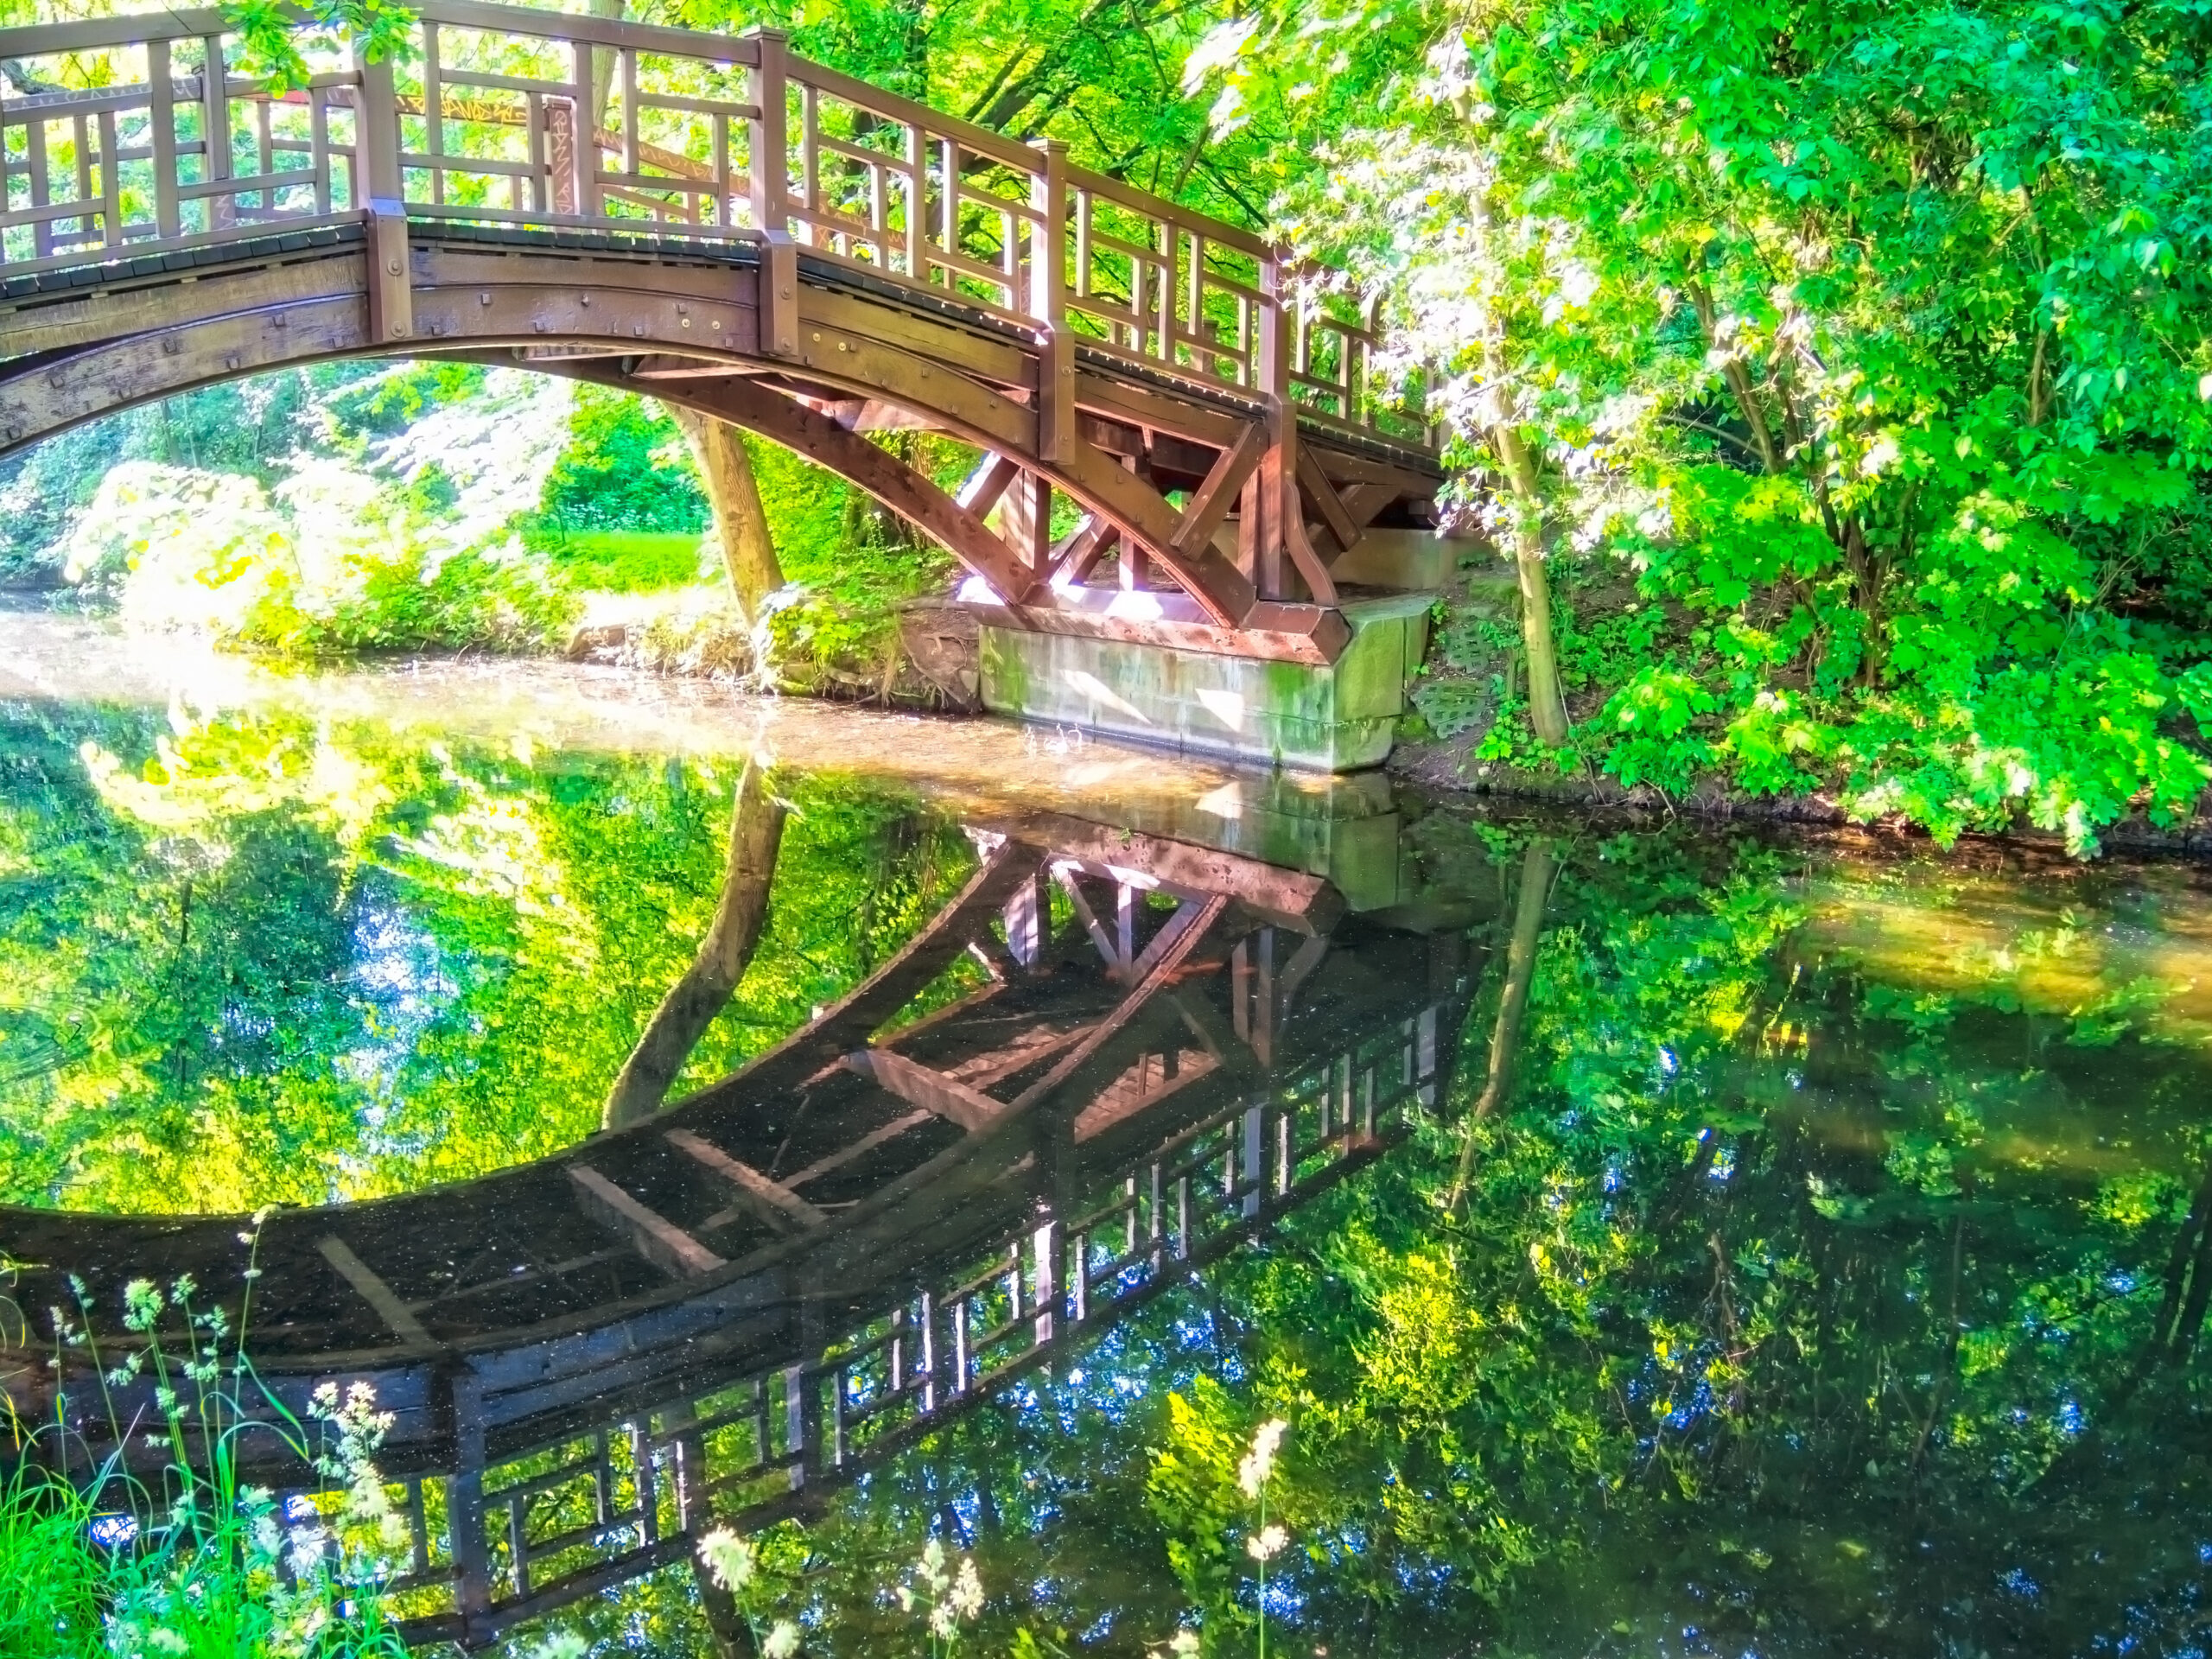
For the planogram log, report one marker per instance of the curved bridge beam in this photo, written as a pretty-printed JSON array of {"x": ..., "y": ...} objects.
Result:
[{"x": 1215, "y": 432}]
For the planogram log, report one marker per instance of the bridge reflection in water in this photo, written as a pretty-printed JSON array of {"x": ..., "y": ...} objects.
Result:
[{"x": 718, "y": 1315}]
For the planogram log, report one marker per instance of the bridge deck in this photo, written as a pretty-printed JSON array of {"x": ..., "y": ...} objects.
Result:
[{"x": 1218, "y": 425}]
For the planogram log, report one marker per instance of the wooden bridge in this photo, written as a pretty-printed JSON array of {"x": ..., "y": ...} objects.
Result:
[
  {"x": 738, "y": 231},
  {"x": 717, "y": 1316}
]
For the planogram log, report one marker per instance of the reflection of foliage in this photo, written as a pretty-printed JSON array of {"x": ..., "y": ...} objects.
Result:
[
  {"x": 256, "y": 961},
  {"x": 1792, "y": 1300}
]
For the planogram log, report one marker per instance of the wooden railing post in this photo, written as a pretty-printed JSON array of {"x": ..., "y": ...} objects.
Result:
[
  {"x": 382, "y": 192},
  {"x": 1277, "y": 493},
  {"x": 161, "y": 94},
  {"x": 771, "y": 179},
  {"x": 1048, "y": 305}
]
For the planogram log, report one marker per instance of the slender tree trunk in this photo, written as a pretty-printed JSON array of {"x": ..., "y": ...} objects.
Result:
[
  {"x": 1547, "y": 706},
  {"x": 734, "y": 497},
  {"x": 756, "y": 832},
  {"x": 1536, "y": 867}
]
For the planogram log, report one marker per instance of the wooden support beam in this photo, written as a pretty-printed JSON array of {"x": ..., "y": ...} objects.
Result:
[
  {"x": 1143, "y": 515},
  {"x": 1117, "y": 964},
  {"x": 1321, "y": 496},
  {"x": 918, "y": 1086},
  {"x": 860, "y": 1148},
  {"x": 983, "y": 487},
  {"x": 397, "y": 1315},
  {"x": 1038, "y": 1043},
  {"x": 1026, "y": 522},
  {"x": 1173, "y": 942},
  {"x": 1223, "y": 483},
  {"x": 768, "y": 1201},
  {"x": 1079, "y": 552},
  {"x": 961, "y": 532},
  {"x": 1364, "y": 503},
  {"x": 660, "y": 1241},
  {"x": 1300, "y": 546}
]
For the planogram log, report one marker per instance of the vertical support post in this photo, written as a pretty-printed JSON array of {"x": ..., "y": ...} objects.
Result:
[
  {"x": 1048, "y": 306},
  {"x": 1277, "y": 495},
  {"x": 1025, "y": 520},
  {"x": 111, "y": 183},
  {"x": 560, "y": 155},
  {"x": 795, "y": 1438},
  {"x": 1044, "y": 1254},
  {"x": 1156, "y": 1224},
  {"x": 771, "y": 169},
  {"x": 1255, "y": 1152},
  {"x": 929, "y": 1353},
  {"x": 215, "y": 130},
  {"x": 1027, "y": 912},
  {"x": 377, "y": 177},
  {"x": 1425, "y": 1054},
  {"x": 161, "y": 92},
  {"x": 641, "y": 1465},
  {"x": 471, "y": 1563},
  {"x": 583, "y": 171}
]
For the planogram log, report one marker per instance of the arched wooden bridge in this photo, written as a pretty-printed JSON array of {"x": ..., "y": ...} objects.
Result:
[
  {"x": 738, "y": 231},
  {"x": 717, "y": 1315}
]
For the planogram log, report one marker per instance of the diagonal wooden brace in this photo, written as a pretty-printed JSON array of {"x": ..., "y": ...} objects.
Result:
[
  {"x": 1322, "y": 496},
  {"x": 1210, "y": 504}
]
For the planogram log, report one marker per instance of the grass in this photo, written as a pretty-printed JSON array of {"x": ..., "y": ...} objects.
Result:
[
  {"x": 193, "y": 1562},
  {"x": 623, "y": 561}
]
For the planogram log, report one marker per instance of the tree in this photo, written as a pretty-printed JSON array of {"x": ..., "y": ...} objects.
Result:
[
  {"x": 756, "y": 831},
  {"x": 741, "y": 528}
]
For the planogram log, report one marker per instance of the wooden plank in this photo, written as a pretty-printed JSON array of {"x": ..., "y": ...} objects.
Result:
[
  {"x": 918, "y": 1086},
  {"x": 1273, "y": 630},
  {"x": 660, "y": 1241},
  {"x": 981, "y": 1070},
  {"x": 980, "y": 491},
  {"x": 1134, "y": 1090},
  {"x": 1140, "y": 406},
  {"x": 771, "y": 1201},
  {"x": 1142, "y": 513},
  {"x": 1174, "y": 942},
  {"x": 869, "y": 1005},
  {"x": 866, "y": 1143},
  {"x": 372, "y": 1289},
  {"x": 1225, "y": 481},
  {"x": 1336, "y": 517}
]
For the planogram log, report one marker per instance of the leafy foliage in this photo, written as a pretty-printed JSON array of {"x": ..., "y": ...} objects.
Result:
[{"x": 1873, "y": 341}]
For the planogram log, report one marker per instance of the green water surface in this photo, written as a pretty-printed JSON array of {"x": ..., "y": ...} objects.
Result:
[{"x": 1808, "y": 1256}]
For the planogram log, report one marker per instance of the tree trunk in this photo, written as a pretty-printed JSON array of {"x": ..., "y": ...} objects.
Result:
[
  {"x": 1547, "y": 707},
  {"x": 756, "y": 831},
  {"x": 740, "y": 524},
  {"x": 1537, "y": 868}
]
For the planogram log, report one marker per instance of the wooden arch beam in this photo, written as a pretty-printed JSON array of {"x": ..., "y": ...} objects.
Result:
[{"x": 745, "y": 402}]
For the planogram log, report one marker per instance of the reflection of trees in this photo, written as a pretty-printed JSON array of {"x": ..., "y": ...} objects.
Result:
[
  {"x": 756, "y": 831},
  {"x": 1533, "y": 892},
  {"x": 1778, "y": 1290},
  {"x": 400, "y": 960}
]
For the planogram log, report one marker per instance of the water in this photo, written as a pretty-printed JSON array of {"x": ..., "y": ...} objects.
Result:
[{"x": 1659, "y": 1240}]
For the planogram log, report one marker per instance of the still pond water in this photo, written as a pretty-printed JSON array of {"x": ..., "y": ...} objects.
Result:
[{"x": 1738, "y": 1246}]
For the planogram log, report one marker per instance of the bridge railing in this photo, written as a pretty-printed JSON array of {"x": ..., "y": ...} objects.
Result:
[
  {"x": 489, "y": 1547},
  {"x": 141, "y": 135}
]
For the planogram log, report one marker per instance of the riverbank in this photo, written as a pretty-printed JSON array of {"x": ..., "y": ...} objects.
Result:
[
  {"x": 1451, "y": 768},
  {"x": 613, "y": 706}
]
